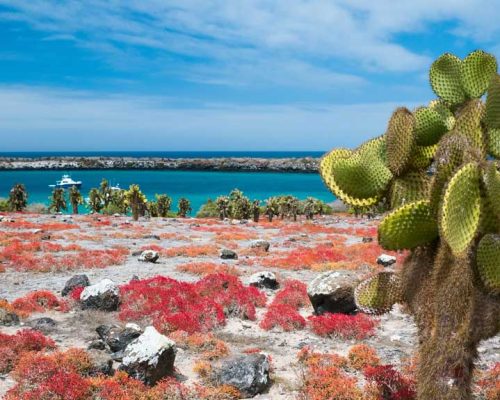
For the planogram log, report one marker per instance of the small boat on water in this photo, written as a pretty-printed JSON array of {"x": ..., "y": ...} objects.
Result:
[
  {"x": 66, "y": 182},
  {"x": 116, "y": 187}
]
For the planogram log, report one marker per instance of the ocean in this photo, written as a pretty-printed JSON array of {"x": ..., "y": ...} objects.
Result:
[
  {"x": 197, "y": 186},
  {"x": 168, "y": 154}
]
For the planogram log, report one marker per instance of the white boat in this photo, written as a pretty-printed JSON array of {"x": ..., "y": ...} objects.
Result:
[
  {"x": 66, "y": 182},
  {"x": 116, "y": 187}
]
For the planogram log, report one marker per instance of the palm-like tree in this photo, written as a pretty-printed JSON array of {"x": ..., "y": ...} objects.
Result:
[
  {"x": 95, "y": 200},
  {"x": 119, "y": 201},
  {"x": 136, "y": 200},
  {"x": 58, "y": 200},
  {"x": 184, "y": 207},
  {"x": 75, "y": 198},
  {"x": 18, "y": 198},
  {"x": 164, "y": 203}
]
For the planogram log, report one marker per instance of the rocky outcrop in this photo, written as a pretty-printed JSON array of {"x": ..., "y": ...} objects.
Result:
[
  {"x": 228, "y": 254},
  {"x": 333, "y": 291},
  {"x": 149, "y": 256},
  {"x": 386, "y": 260},
  {"x": 101, "y": 296},
  {"x": 74, "y": 282},
  {"x": 249, "y": 374},
  {"x": 116, "y": 337},
  {"x": 304, "y": 164},
  {"x": 264, "y": 280},
  {"x": 150, "y": 357},
  {"x": 261, "y": 244},
  {"x": 44, "y": 324}
]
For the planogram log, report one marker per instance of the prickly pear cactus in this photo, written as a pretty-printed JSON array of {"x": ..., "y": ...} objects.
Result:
[{"x": 437, "y": 170}]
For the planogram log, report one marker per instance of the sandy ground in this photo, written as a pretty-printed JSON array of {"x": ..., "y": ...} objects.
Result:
[{"x": 395, "y": 338}]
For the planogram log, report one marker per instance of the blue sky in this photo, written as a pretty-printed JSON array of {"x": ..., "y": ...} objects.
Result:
[{"x": 222, "y": 75}]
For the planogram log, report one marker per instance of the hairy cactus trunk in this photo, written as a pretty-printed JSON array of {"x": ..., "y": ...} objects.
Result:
[{"x": 452, "y": 316}]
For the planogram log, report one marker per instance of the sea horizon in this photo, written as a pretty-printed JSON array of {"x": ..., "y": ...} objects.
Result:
[{"x": 164, "y": 154}]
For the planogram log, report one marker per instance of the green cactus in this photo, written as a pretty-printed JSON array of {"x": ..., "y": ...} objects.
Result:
[
  {"x": 434, "y": 171},
  {"x": 378, "y": 294},
  {"x": 136, "y": 200},
  {"x": 18, "y": 198}
]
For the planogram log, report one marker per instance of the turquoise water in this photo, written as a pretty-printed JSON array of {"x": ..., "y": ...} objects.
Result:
[
  {"x": 197, "y": 186},
  {"x": 169, "y": 154}
]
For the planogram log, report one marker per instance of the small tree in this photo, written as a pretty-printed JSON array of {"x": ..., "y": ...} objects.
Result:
[
  {"x": 222, "y": 203},
  {"x": 272, "y": 208},
  {"x": 18, "y": 198},
  {"x": 106, "y": 192},
  {"x": 256, "y": 210},
  {"x": 136, "y": 200},
  {"x": 184, "y": 207},
  {"x": 95, "y": 200},
  {"x": 163, "y": 203},
  {"x": 58, "y": 200},
  {"x": 75, "y": 198},
  {"x": 118, "y": 201},
  {"x": 311, "y": 207},
  {"x": 152, "y": 207}
]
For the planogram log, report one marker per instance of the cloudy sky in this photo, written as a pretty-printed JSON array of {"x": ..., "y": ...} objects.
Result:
[{"x": 222, "y": 74}]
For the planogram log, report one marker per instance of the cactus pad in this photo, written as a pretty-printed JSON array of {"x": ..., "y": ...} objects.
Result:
[
  {"x": 492, "y": 184},
  {"x": 400, "y": 140},
  {"x": 494, "y": 142},
  {"x": 446, "y": 115},
  {"x": 378, "y": 294},
  {"x": 325, "y": 169},
  {"x": 429, "y": 126},
  {"x": 362, "y": 177},
  {"x": 468, "y": 123},
  {"x": 477, "y": 70},
  {"x": 407, "y": 227},
  {"x": 461, "y": 208},
  {"x": 445, "y": 77},
  {"x": 422, "y": 156},
  {"x": 409, "y": 188},
  {"x": 488, "y": 262},
  {"x": 492, "y": 118}
]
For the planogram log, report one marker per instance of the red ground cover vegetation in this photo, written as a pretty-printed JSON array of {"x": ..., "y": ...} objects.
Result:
[
  {"x": 358, "y": 326},
  {"x": 283, "y": 311},
  {"x": 38, "y": 301},
  {"x": 209, "y": 347},
  {"x": 192, "y": 307},
  {"x": 489, "y": 383},
  {"x": 44, "y": 256},
  {"x": 361, "y": 356},
  {"x": 385, "y": 382},
  {"x": 13, "y": 347}
]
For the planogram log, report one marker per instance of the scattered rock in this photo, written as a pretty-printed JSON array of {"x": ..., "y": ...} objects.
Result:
[
  {"x": 102, "y": 363},
  {"x": 136, "y": 253},
  {"x": 75, "y": 281},
  {"x": 264, "y": 280},
  {"x": 150, "y": 357},
  {"x": 261, "y": 244},
  {"x": 96, "y": 345},
  {"x": 45, "y": 237},
  {"x": 149, "y": 256},
  {"x": 386, "y": 260},
  {"x": 44, "y": 325},
  {"x": 101, "y": 296},
  {"x": 116, "y": 337},
  {"x": 367, "y": 239},
  {"x": 333, "y": 291},
  {"x": 228, "y": 254},
  {"x": 8, "y": 318},
  {"x": 156, "y": 237},
  {"x": 249, "y": 374}
]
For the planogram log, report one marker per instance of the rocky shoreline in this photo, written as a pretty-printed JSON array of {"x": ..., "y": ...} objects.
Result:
[{"x": 247, "y": 164}]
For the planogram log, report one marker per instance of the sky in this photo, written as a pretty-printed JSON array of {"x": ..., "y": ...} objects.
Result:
[{"x": 224, "y": 74}]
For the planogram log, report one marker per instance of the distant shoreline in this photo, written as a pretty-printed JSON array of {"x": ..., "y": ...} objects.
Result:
[{"x": 229, "y": 164}]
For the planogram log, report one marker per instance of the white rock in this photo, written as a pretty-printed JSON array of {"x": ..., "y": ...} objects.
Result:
[
  {"x": 102, "y": 287},
  {"x": 133, "y": 326},
  {"x": 386, "y": 260},
  {"x": 147, "y": 348}
]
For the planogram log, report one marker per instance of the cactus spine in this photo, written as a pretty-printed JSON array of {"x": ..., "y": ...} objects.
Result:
[{"x": 436, "y": 168}]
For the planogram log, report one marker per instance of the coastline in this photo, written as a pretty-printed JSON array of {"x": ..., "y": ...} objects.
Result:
[{"x": 232, "y": 164}]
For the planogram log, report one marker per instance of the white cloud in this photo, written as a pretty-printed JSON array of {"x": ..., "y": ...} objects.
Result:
[{"x": 47, "y": 119}]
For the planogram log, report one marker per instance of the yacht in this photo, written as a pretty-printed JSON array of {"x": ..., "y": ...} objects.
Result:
[
  {"x": 66, "y": 182},
  {"x": 116, "y": 187}
]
